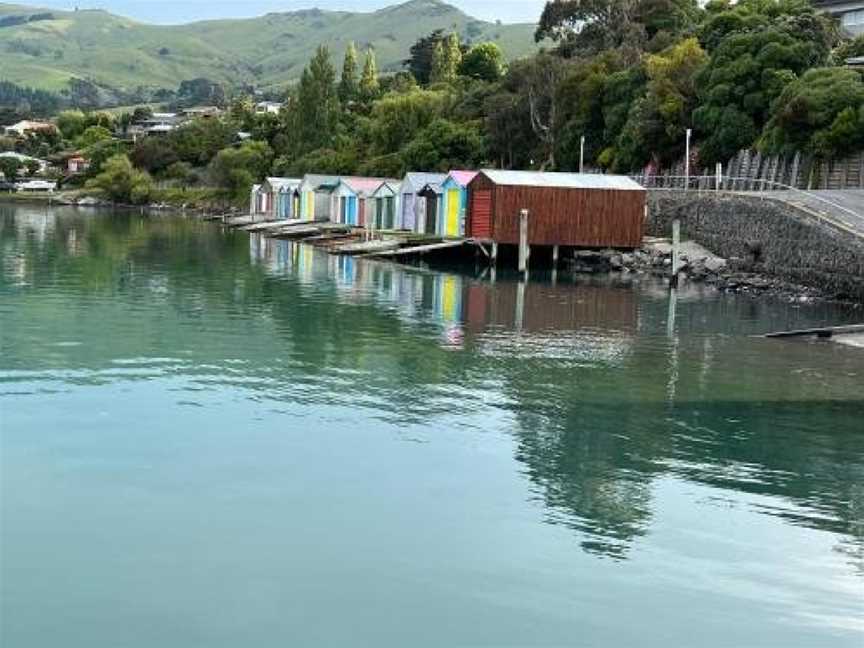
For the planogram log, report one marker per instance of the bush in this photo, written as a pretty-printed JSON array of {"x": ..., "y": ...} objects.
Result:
[{"x": 122, "y": 183}]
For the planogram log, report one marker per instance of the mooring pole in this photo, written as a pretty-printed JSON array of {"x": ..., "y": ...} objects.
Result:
[
  {"x": 719, "y": 175},
  {"x": 520, "y": 305},
  {"x": 554, "y": 264},
  {"x": 523, "y": 241},
  {"x": 676, "y": 249}
]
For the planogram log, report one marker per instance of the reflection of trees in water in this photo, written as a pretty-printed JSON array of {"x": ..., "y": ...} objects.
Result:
[{"x": 584, "y": 376}]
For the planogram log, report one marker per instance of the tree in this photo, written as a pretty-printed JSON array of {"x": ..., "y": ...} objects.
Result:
[
  {"x": 348, "y": 88},
  {"x": 32, "y": 167},
  {"x": 419, "y": 61},
  {"x": 396, "y": 118},
  {"x": 484, "y": 61},
  {"x": 93, "y": 135},
  {"x": 122, "y": 182},
  {"x": 9, "y": 167},
  {"x": 314, "y": 111},
  {"x": 452, "y": 58},
  {"x": 153, "y": 154},
  {"x": 444, "y": 145},
  {"x": 71, "y": 123},
  {"x": 822, "y": 113},
  {"x": 369, "y": 87},
  {"x": 438, "y": 73},
  {"x": 237, "y": 169}
]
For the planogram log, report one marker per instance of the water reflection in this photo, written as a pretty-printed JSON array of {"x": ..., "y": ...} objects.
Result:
[{"x": 602, "y": 398}]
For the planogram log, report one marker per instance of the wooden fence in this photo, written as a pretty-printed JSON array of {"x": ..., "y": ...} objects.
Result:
[{"x": 752, "y": 171}]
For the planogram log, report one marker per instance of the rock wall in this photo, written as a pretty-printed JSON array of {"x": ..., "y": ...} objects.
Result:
[{"x": 765, "y": 236}]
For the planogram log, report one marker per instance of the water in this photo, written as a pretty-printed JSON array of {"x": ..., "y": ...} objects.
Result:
[{"x": 212, "y": 439}]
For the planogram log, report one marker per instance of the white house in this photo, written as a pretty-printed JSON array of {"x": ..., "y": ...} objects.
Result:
[
  {"x": 268, "y": 107},
  {"x": 24, "y": 159}
]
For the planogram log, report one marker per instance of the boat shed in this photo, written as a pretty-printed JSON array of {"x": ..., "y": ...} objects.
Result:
[
  {"x": 455, "y": 208},
  {"x": 412, "y": 214},
  {"x": 384, "y": 205},
  {"x": 353, "y": 194},
  {"x": 279, "y": 192},
  {"x": 571, "y": 209},
  {"x": 433, "y": 197},
  {"x": 316, "y": 197}
]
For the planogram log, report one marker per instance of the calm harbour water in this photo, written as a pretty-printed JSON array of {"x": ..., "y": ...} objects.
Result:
[{"x": 214, "y": 439}]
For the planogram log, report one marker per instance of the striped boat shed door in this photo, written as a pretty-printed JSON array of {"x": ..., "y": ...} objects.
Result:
[
  {"x": 352, "y": 210},
  {"x": 408, "y": 211},
  {"x": 481, "y": 214},
  {"x": 432, "y": 213}
]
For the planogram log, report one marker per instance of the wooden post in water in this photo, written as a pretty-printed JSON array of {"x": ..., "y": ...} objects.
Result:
[
  {"x": 524, "y": 250},
  {"x": 676, "y": 249},
  {"x": 554, "y": 264},
  {"x": 520, "y": 305}
]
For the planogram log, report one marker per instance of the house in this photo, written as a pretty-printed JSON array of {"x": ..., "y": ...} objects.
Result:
[
  {"x": 25, "y": 127},
  {"x": 384, "y": 206},
  {"x": 849, "y": 13},
  {"x": 455, "y": 207},
  {"x": 280, "y": 197},
  {"x": 24, "y": 160},
  {"x": 570, "y": 209},
  {"x": 433, "y": 197},
  {"x": 352, "y": 195},
  {"x": 76, "y": 163},
  {"x": 268, "y": 107},
  {"x": 412, "y": 208},
  {"x": 316, "y": 197},
  {"x": 159, "y": 123},
  {"x": 203, "y": 112}
]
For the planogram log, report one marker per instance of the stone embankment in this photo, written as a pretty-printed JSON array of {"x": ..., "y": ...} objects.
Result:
[{"x": 769, "y": 245}]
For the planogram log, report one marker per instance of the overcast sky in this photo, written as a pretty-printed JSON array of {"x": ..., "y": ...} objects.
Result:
[{"x": 177, "y": 11}]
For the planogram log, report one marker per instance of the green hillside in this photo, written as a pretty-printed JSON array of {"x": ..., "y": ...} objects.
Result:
[{"x": 44, "y": 48}]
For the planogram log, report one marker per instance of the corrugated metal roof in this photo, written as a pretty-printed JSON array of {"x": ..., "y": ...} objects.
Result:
[
  {"x": 315, "y": 180},
  {"x": 366, "y": 186},
  {"x": 462, "y": 177},
  {"x": 387, "y": 186},
  {"x": 279, "y": 183},
  {"x": 419, "y": 179},
  {"x": 565, "y": 180}
]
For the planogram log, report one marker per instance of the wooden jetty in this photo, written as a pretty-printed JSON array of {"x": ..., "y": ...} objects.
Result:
[
  {"x": 819, "y": 331},
  {"x": 268, "y": 225},
  {"x": 419, "y": 249}
]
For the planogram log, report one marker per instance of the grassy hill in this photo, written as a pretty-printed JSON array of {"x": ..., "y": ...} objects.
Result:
[{"x": 44, "y": 48}]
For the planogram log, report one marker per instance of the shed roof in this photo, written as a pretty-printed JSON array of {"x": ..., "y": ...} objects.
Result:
[
  {"x": 563, "y": 180},
  {"x": 280, "y": 183},
  {"x": 365, "y": 186},
  {"x": 462, "y": 177},
  {"x": 315, "y": 180},
  {"x": 431, "y": 186},
  {"x": 385, "y": 188},
  {"x": 419, "y": 179}
]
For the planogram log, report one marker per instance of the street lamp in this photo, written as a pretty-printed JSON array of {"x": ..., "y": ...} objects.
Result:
[{"x": 687, "y": 160}]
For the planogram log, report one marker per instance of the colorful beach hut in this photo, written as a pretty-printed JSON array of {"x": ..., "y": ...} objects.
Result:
[
  {"x": 432, "y": 196},
  {"x": 455, "y": 193},
  {"x": 352, "y": 195},
  {"x": 384, "y": 206},
  {"x": 315, "y": 196},
  {"x": 279, "y": 193},
  {"x": 411, "y": 206}
]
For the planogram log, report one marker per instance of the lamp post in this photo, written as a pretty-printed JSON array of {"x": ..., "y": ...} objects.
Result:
[
  {"x": 581, "y": 153},
  {"x": 687, "y": 160}
]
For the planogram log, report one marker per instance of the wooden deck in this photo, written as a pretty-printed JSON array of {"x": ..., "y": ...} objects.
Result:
[{"x": 821, "y": 331}]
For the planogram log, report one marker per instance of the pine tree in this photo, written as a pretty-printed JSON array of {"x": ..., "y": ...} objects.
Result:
[
  {"x": 439, "y": 64},
  {"x": 348, "y": 82},
  {"x": 369, "y": 88}
]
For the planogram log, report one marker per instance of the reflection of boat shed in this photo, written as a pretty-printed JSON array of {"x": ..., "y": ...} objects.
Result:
[{"x": 571, "y": 209}]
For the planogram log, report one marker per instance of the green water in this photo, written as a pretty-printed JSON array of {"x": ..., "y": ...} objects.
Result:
[{"x": 211, "y": 439}]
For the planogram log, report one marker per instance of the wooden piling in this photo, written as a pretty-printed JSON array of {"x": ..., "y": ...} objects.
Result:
[
  {"x": 523, "y": 241},
  {"x": 676, "y": 251}
]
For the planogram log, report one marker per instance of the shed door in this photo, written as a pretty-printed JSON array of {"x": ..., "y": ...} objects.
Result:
[
  {"x": 390, "y": 211},
  {"x": 431, "y": 214},
  {"x": 481, "y": 214},
  {"x": 310, "y": 205},
  {"x": 352, "y": 210},
  {"x": 361, "y": 217},
  {"x": 452, "y": 225}
]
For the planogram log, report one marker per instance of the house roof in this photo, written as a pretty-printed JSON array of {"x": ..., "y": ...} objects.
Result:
[
  {"x": 431, "y": 186},
  {"x": 462, "y": 177},
  {"x": 21, "y": 158},
  {"x": 419, "y": 179},
  {"x": 562, "y": 180}
]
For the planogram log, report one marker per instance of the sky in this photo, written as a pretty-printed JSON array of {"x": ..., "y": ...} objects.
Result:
[{"x": 179, "y": 11}]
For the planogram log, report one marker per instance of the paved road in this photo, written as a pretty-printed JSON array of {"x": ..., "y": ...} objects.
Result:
[{"x": 843, "y": 206}]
